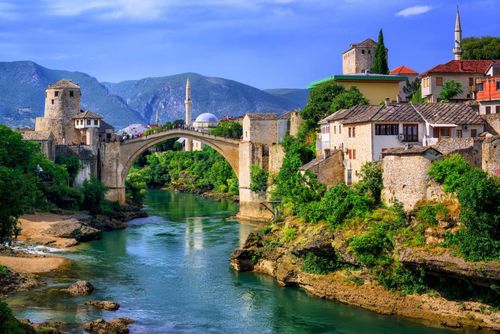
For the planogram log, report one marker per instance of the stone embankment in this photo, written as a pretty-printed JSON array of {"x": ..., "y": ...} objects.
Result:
[{"x": 355, "y": 285}]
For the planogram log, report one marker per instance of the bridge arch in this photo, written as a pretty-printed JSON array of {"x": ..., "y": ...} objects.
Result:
[{"x": 118, "y": 158}]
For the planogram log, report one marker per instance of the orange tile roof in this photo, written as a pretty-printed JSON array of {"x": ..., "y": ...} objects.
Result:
[
  {"x": 402, "y": 70},
  {"x": 462, "y": 66}
]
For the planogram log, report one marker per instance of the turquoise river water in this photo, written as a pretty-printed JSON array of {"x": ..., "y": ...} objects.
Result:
[{"x": 170, "y": 272}]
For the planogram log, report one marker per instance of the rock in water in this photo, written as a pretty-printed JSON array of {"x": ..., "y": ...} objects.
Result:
[
  {"x": 80, "y": 288},
  {"x": 114, "y": 326},
  {"x": 105, "y": 305}
]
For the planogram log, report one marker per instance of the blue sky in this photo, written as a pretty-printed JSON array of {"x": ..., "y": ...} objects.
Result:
[{"x": 264, "y": 43}]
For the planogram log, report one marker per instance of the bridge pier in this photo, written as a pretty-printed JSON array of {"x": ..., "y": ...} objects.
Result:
[{"x": 116, "y": 195}]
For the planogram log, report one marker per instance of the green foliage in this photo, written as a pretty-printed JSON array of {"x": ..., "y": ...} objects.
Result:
[
  {"x": 380, "y": 65},
  {"x": 450, "y": 89},
  {"x": 341, "y": 202},
  {"x": 8, "y": 323},
  {"x": 449, "y": 171},
  {"x": 319, "y": 104},
  {"x": 288, "y": 235},
  {"x": 93, "y": 195},
  {"x": 315, "y": 264},
  {"x": 71, "y": 163},
  {"x": 374, "y": 247},
  {"x": 485, "y": 48},
  {"x": 4, "y": 270},
  {"x": 417, "y": 97},
  {"x": 136, "y": 185},
  {"x": 398, "y": 278},
  {"x": 228, "y": 129},
  {"x": 347, "y": 99},
  {"x": 258, "y": 179},
  {"x": 193, "y": 171},
  {"x": 412, "y": 88},
  {"x": 371, "y": 181},
  {"x": 429, "y": 213},
  {"x": 479, "y": 196}
]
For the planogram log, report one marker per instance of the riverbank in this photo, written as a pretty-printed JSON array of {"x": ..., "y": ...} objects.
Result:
[{"x": 284, "y": 251}]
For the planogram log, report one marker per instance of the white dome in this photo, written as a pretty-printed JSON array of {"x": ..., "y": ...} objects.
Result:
[{"x": 207, "y": 118}]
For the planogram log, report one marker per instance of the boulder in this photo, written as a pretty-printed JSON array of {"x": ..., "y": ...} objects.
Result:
[
  {"x": 80, "y": 288},
  {"x": 242, "y": 260},
  {"x": 104, "y": 305},
  {"x": 72, "y": 228},
  {"x": 114, "y": 326}
]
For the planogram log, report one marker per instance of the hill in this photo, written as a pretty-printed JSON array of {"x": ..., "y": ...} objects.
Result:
[
  {"x": 22, "y": 87},
  {"x": 221, "y": 97},
  {"x": 297, "y": 97}
]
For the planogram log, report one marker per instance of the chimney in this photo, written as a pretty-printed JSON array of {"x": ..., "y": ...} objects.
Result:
[{"x": 387, "y": 101}]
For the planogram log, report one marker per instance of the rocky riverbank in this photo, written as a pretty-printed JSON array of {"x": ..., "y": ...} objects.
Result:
[{"x": 284, "y": 250}]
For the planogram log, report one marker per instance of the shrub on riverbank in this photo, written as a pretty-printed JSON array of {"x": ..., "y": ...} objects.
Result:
[{"x": 8, "y": 323}]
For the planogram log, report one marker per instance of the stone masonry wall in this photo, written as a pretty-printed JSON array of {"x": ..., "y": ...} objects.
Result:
[
  {"x": 491, "y": 156},
  {"x": 492, "y": 123},
  {"x": 276, "y": 156}
]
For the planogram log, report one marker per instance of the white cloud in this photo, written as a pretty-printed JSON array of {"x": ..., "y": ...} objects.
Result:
[{"x": 414, "y": 10}]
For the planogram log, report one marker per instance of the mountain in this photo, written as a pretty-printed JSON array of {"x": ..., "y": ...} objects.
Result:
[
  {"x": 22, "y": 95},
  {"x": 221, "y": 97},
  {"x": 297, "y": 97}
]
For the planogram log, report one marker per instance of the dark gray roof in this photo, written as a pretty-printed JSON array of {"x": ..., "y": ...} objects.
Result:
[
  {"x": 37, "y": 135},
  {"x": 64, "y": 83},
  {"x": 87, "y": 114},
  {"x": 409, "y": 150},
  {"x": 105, "y": 126},
  {"x": 434, "y": 113},
  {"x": 449, "y": 113}
]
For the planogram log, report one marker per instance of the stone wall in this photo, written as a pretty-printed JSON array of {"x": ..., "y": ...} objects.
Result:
[
  {"x": 492, "y": 123},
  {"x": 329, "y": 168},
  {"x": 491, "y": 155},
  {"x": 88, "y": 160},
  {"x": 276, "y": 156},
  {"x": 405, "y": 179},
  {"x": 469, "y": 148}
]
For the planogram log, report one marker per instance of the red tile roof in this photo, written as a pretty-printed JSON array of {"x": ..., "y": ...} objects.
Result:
[
  {"x": 402, "y": 70},
  {"x": 462, "y": 66}
]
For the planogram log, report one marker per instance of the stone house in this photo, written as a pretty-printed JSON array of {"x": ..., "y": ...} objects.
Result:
[
  {"x": 45, "y": 139},
  {"x": 405, "y": 175},
  {"x": 363, "y": 132},
  {"x": 269, "y": 128},
  {"x": 467, "y": 72},
  {"x": 359, "y": 57}
]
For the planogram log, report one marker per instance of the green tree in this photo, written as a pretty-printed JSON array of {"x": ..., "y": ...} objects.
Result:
[
  {"x": 371, "y": 181},
  {"x": 486, "y": 48},
  {"x": 380, "y": 64},
  {"x": 347, "y": 99},
  {"x": 417, "y": 97},
  {"x": 135, "y": 185},
  {"x": 71, "y": 163},
  {"x": 258, "y": 179},
  {"x": 411, "y": 88},
  {"x": 93, "y": 195},
  {"x": 228, "y": 129},
  {"x": 450, "y": 89},
  {"x": 8, "y": 323},
  {"x": 319, "y": 103}
]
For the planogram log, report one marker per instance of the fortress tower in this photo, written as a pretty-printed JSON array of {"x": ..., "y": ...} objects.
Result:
[
  {"x": 457, "y": 50},
  {"x": 62, "y": 103},
  {"x": 359, "y": 57},
  {"x": 188, "y": 144}
]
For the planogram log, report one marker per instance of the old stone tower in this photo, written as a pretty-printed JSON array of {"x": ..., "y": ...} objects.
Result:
[
  {"x": 359, "y": 57},
  {"x": 62, "y": 103}
]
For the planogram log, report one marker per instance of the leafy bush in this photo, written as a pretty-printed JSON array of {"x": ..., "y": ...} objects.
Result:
[
  {"x": 228, "y": 129},
  {"x": 315, "y": 264},
  {"x": 450, "y": 89},
  {"x": 371, "y": 183},
  {"x": 4, "y": 270},
  {"x": 93, "y": 195},
  {"x": 373, "y": 247},
  {"x": 289, "y": 234},
  {"x": 71, "y": 163},
  {"x": 258, "y": 179},
  {"x": 479, "y": 195},
  {"x": 429, "y": 213},
  {"x": 398, "y": 278},
  {"x": 8, "y": 323},
  {"x": 135, "y": 186}
]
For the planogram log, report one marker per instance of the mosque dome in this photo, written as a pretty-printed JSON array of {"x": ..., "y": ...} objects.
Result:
[{"x": 207, "y": 118}]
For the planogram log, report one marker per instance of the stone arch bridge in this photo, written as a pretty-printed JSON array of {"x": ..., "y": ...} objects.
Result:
[{"x": 116, "y": 159}]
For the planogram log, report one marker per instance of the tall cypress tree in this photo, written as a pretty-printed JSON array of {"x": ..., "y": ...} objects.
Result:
[{"x": 380, "y": 61}]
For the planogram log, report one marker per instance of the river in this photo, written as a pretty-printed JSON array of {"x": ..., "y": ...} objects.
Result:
[{"x": 170, "y": 272}]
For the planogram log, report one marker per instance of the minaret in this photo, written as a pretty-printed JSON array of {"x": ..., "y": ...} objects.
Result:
[
  {"x": 157, "y": 120},
  {"x": 188, "y": 144},
  {"x": 457, "y": 50}
]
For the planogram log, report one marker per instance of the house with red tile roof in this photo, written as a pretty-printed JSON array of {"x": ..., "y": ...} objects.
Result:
[
  {"x": 488, "y": 91},
  {"x": 407, "y": 72},
  {"x": 467, "y": 72}
]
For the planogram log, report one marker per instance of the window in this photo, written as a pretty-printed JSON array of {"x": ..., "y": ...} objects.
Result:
[
  {"x": 498, "y": 85},
  {"x": 386, "y": 129},
  {"x": 88, "y": 122},
  {"x": 369, "y": 52},
  {"x": 349, "y": 133},
  {"x": 497, "y": 109},
  {"x": 471, "y": 82},
  {"x": 56, "y": 93},
  {"x": 340, "y": 128},
  {"x": 52, "y": 101},
  {"x": 410, "y": 132},
  {"x": 441, "y": 132},
  {"x": 459, "y": 134},
  {"x": 488, "y": 110},
  {"x": 353, "y": 132},
  {"x": 71, "y": 93},
  {"x": 363, "y": 51},
  {"x": 439, "y": 81},
  {"x": 480, "y": 87},
  {"x": 96, "y": 122},
  {"x": 351, "y": 154},
  {"x": 334, "y": 129},
  {"x": 473, "y": 133}
]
